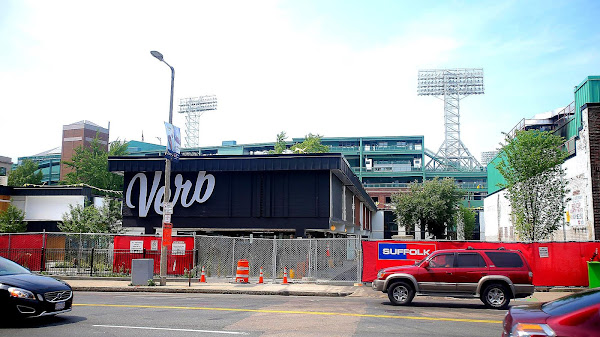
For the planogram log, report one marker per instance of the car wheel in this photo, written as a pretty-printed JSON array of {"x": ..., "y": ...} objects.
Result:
[
  {"x": 401, "y": 293},
  {"x": 495, "y": 296}
]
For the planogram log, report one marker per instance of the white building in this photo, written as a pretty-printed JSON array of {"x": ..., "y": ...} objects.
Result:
[{"x": 581, "y": 219}]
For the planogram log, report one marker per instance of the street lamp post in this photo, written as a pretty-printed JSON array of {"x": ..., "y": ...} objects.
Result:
[{"x": 163, "y": 249}]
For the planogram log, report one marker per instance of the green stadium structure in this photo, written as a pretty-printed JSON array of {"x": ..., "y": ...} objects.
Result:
[{"x": 48, "y": 162}]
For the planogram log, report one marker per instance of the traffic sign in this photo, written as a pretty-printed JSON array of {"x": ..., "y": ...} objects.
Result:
[{"x": 167, "y": 208}]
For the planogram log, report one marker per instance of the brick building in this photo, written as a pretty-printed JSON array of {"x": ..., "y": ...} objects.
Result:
[{"x": 79, "y": 134}]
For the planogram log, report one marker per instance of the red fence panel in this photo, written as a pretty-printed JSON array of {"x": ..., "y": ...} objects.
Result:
[
  {"x": 25, "y": 249},
  {"x": 4, "y": 241},
  {"x": 179, "y": 258},
  {"x": 562, "y": 264},
  {"x": 21, "y": 241}
]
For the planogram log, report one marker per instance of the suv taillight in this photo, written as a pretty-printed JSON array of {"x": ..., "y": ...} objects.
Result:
[{"x": 530, "y": 277}]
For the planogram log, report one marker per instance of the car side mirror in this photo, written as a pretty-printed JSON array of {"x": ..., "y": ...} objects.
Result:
[{"x": 425, "y": 264}]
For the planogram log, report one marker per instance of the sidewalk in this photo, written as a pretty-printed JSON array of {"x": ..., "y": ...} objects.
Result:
[
  {"x": 177, "y": 286},
  {"x": 293, "y": 289}
]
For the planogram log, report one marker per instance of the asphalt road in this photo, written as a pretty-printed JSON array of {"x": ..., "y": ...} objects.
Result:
[{"x": 155, "y": 314}]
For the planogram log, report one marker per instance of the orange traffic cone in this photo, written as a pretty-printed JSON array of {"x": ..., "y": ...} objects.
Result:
[
  {"x": 284, "y": 276},
  {"x": 203, "y": 276},
  {"x": 260, "y": 278}
]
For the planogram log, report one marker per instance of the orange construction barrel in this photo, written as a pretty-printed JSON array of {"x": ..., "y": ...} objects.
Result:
[{"x": 241, "y": 275}]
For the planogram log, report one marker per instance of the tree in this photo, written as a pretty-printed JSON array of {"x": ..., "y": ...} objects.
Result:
[
  {"x": 111, "y": 210},
  {"x": 90, "y": 219},
  {"x": 466, "y": 221},
  {"x": 280, "y": 144},
  {"x": 90, "y": 166},
  {"x": 432, "y": 204},
  {"x": 12, "y": 220},
  {"x": 25, "y": 174},
  {"x": 531, "y": 166},
  {"x": 311, "y": 144}
]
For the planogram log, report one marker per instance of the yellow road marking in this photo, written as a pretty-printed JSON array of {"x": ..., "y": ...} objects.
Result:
[{"x": 292, "y": 312}]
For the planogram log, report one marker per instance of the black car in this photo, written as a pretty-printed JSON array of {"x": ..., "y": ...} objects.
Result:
[{"x": 24, "y": 294}]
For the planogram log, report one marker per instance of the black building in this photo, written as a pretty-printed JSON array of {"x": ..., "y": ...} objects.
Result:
[{"x": 299, "y": 195}]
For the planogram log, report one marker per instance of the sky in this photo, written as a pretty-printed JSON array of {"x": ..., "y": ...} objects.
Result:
[{"x": 334, "y": 68}]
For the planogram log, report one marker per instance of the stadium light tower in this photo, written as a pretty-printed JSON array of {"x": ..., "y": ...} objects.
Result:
[
  {"x": 453, "y": 84},
  {"x": 194, "y": 107}
]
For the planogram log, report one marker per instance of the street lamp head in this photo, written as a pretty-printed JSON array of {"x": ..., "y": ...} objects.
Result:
[{"x": 156, "y": 54}]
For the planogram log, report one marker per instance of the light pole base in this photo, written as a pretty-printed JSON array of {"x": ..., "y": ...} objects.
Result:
[{"x": 163, "y": 281}]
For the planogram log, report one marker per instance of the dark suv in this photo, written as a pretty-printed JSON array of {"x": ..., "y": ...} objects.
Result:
[{"x": 495, "y": 276}]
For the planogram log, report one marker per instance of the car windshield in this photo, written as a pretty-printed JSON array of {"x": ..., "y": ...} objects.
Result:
[
  {"x": 7, "y": 267},
  {"x": 573, "y": 302}
]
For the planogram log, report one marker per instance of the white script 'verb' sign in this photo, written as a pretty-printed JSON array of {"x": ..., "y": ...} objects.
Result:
[{"x": 185, "y": 193}]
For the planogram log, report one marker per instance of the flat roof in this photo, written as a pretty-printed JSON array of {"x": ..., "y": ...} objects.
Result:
[{"x": 46, "y": 190}]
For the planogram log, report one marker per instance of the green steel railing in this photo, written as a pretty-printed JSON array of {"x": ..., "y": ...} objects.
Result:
[
  {"x": 373, "y": 148},
  {"x": 466, "y": 186}
]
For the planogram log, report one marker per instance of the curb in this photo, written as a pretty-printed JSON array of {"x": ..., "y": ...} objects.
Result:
[
  {"x": 560, "y": 289},
  {"x": 212, "y": 291},
  {"x": 96, "y": 278},
  {"x": 193, "y": 280}
]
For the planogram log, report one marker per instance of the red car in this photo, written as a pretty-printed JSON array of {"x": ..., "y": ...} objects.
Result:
[
  {"x": 577, "y": 315},
  {"x": 494, "y": 276}
]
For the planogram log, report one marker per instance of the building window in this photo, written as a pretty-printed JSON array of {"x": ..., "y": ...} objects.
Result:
[
  {"x": 2, "y": 171},
  {"x": 388, "y": 200},
  {"x": 375, "y": 199}
]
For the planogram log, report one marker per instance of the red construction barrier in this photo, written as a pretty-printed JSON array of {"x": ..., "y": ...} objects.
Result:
[
  {"x": 21, "y": 241},
  {"x": 566, "y": 264},
  {"x": 4, "y": 241},
  {"x": 179, "y": 258},
  {"x": 25, "y": 249},
  {"x": 552, "y": 263}
]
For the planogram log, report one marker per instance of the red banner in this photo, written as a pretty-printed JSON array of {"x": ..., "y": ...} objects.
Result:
[
  {"x": 166, "y": 236},
  {"x": 552, "y": 263}
]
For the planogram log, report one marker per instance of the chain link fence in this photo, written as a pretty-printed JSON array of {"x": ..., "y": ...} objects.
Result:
[
  {"x": 332, "y": 260},
  {"x": 310, "y": 260}
]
